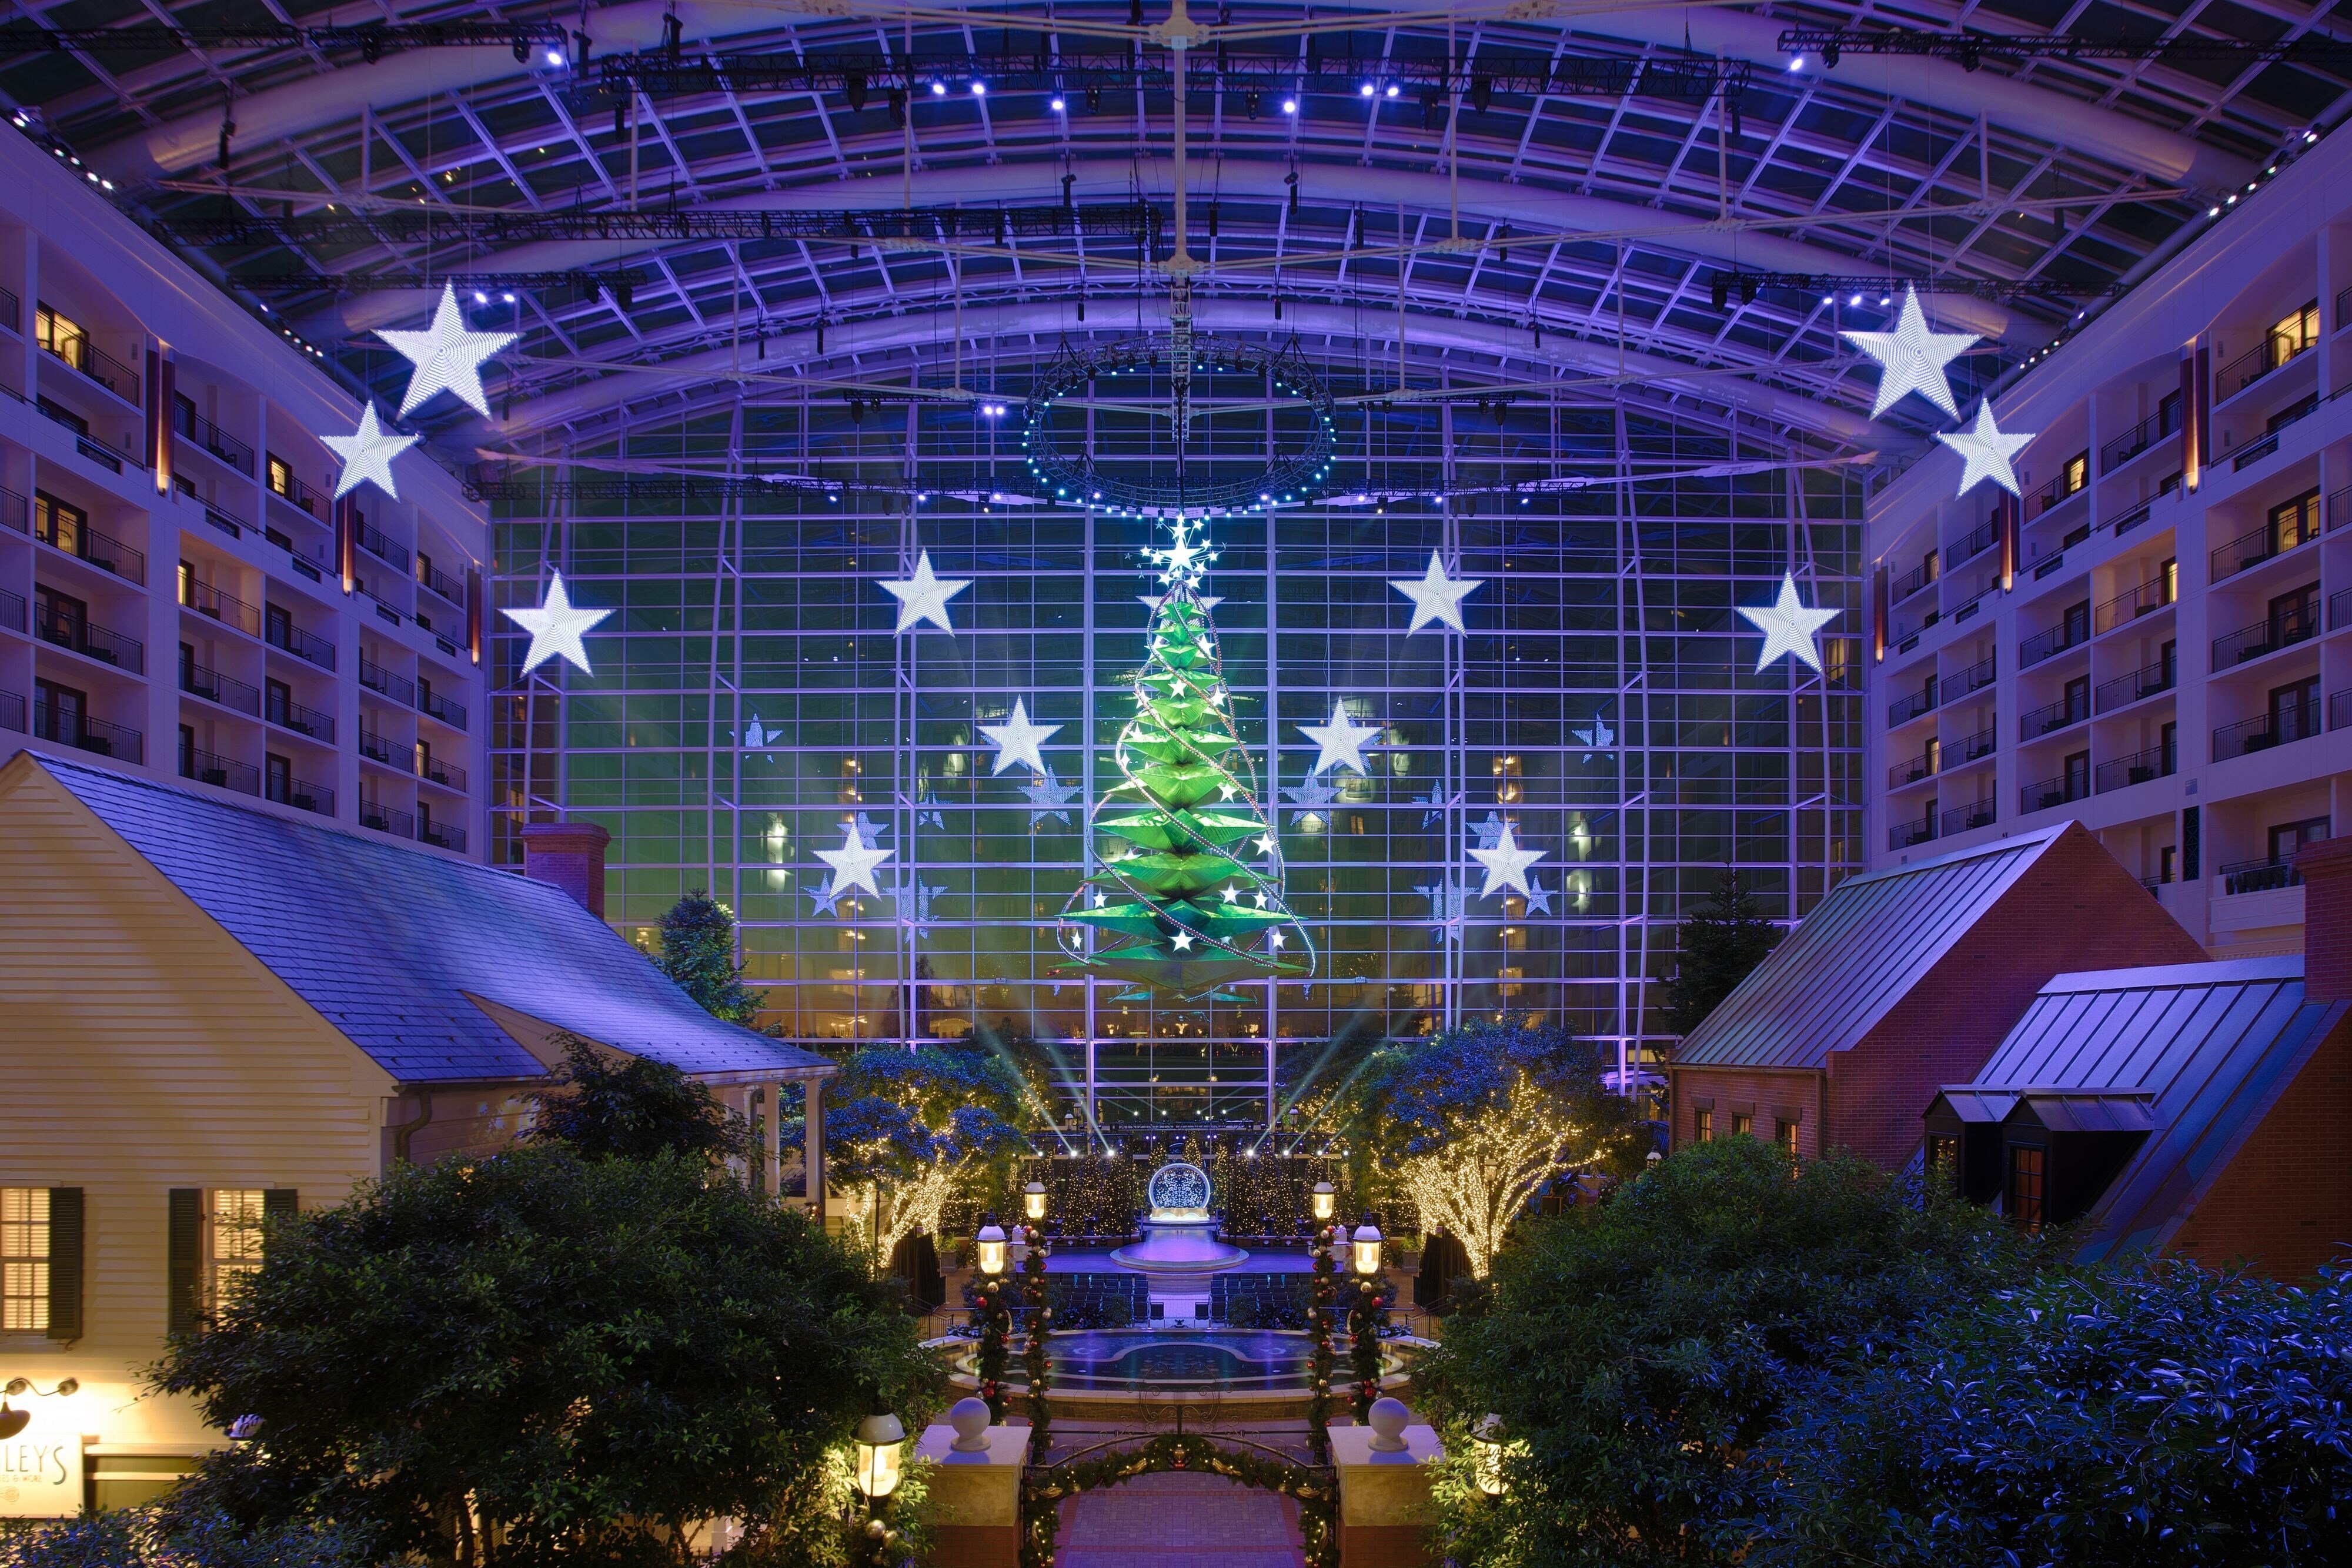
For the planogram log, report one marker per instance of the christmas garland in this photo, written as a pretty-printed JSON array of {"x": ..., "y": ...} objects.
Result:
[
  {"x": 1041, "y": 1312},
  {"x": 1320, "y": 1365},
  {"x": 1314, "y": 1487}
]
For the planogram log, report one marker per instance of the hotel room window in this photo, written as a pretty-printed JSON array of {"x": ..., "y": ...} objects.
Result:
[{"x": 25, "y": 1259}]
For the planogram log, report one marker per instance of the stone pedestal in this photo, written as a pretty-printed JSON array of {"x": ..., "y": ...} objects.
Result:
[
  {"x": 974, "y": 1504},
  {"x": 1384, "y": 1499}
]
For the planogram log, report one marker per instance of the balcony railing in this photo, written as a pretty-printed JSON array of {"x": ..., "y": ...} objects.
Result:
[
  {"x": 449, "y": 713},
  {"x": 198, "y": 680},
  {"x": 2053, "y": 495},
  {"x": 300, "y": 794},
  {"x": 292, "y": 639},
  {"x": 2339, "y": 608},
  {"x": 375, "y": 746},
  {"x": 85, "y": 637},
  {"x": 60, "y": 529},
  {"x": 2046, "y": 794},
  {"x": 2050, "y": 716},
  {"x": 1961, "y": 819},
  {"x": 2339, "y": 710},
  {"x": 449, "y": 774},
  {"x": 291, "y": 490},
  {"x": 1982, "y": 538},
  {"x": 2293, "y": 624},
  {"x": 2259, "y": 876},
  {"x": 288, "y": 714},
  {"x": 2057, "y": 640},
  {"x": 1975, "y": 678},
  {"x": 386, "y": 819},
  {"x": 81, "y": 354},
  {"x": 12, "y": 316},
  {"x": 2156, "y": 762},
  {"x": 91, "y": 734},
  {"x": 225, "y": 772},
  {"x": 12, "y": 611},
  {"x": 2130, "y": 519},
  {"x": 12, "y": 712},
  {"x": 1918, "y": 578},
  {"x": 434, "y": 580},
  {"x": 225, "y": 608},
  {"x": 2275, "y": 351},
  {"x": 2296, "y": 721},
  {"x": 2145, "y": 599},
  {"x": 375, "y": 677},
  {"x": 203, "y": 432},
  {"x": 372, "y": 540},
  {"x": 16, "y": 512},
  {"x": 2140, "y": 436},
  {"x": 2339, "y": 509},
  {"x": 1903, "y": 835},
  {"x": 447, "y": 835},
  {"x": 1920, "y": 766},
  {"x": 1971, "y": 746},
  {"x": 2144, "y": 682},
  {"x": 1904, "y": 709},
  {"x": 2273, "y": 539},
  {"x": 2253, "y": 449}
]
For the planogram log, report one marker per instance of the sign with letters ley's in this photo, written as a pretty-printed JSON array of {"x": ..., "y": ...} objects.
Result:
[{"x": 40, "y": 1470}]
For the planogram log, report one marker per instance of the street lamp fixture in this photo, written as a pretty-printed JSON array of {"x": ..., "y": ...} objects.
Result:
[
  {"x": 1487, "y": 1464},
  {"x": 881, "y": 1439},
  {"x": 1324, "y": 1199},
  {"x": 991, "y": 1242},
  {"x": 1367, "y": 1247},
  {"x": 1032, "y": 1201}
]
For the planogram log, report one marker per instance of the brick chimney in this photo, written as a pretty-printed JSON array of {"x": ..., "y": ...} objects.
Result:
[
  {"x": 568, "y": 855},
  {"x": 2327, "y": 869}
]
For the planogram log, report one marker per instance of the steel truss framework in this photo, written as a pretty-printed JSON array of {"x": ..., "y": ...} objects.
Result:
[{"x": 756, "y": 701}]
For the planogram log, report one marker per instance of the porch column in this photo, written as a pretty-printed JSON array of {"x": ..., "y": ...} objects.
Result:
[
  {"x": 772, "y": 1126},
  {"x": 812, "y": 1147}
]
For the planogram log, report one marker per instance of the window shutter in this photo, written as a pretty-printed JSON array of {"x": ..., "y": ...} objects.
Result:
[
  {"x": 279, "y": 1203},
  {"x": 183, "y": 1278},
  {"x": 65, "y": 1262}
]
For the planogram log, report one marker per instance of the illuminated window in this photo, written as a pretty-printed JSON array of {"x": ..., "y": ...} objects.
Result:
[
  {"x": 61, "y": 336},
  {"x": 1785, "y": 1134},
  {"x": 24, "y": 1258},
  {"x": 281, "y": 475},
  {"x": 233, "y": 1241},
  {"x": 1742, "y": 1127},
  {"x": 1702, "y": 1126},
  {"x": 1944, "y": 1156},
  {"x": 2024, "y": 1195}
]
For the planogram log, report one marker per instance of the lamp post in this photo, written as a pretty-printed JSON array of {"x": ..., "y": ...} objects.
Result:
[
  {"x": 880, "y": 1452},
  {"x": 1324, "y": 1199},
  {"x": 1364, "y": 1318},
  {"x": 1486, "y": 1462},
  {"x": 1039, "y": 1301},
  {"x": 991, "y": 1316}
]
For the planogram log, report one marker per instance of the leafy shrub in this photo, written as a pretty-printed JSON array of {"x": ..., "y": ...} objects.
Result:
[{"x": 140, "y": 1538}]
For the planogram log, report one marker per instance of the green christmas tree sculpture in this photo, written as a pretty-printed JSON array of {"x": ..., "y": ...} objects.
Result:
[{"x": 1187, "y": 899}]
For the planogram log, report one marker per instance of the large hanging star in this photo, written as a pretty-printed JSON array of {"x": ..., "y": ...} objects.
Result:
[
  {"x": 1341, "y": 741},
  {"x": 367, "y": 455},
  {"x": 1435, "y": 596},
  {"x": 447, "y": 357},
  {"x": 1017, "y": 740},
  {"x": 555, "y": 627},
  {"x": 923, "y": 597},
  {"x": 1788, "y": 626},
  {"x": 1986, "y": 451},
  {"x": 1914, "y": 357},
  {"x": 852, "y": 864},
  {"x": 1507, "y": 865}
]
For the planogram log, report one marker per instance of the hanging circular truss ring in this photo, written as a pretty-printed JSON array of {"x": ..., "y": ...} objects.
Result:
[{"x": 1072, "y": 479}]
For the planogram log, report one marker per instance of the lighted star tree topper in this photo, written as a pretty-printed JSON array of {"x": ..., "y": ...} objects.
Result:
[{"x": 1186, "y": 900}]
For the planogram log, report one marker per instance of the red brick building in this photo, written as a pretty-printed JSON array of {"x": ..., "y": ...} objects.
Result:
[
  {"x": 1905, "y": 981},
  {"x": 2195, "y": 1108}
]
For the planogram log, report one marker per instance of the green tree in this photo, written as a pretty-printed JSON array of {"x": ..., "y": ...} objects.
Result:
[
  {"x": 605, "y": 1105},
  {"x": 1717, "y": 944},
  {"x": 1185, "y": 907},
  {"x": 1470, "y": 1124},
  {"x": 1635, "y": 1351},
  {"x": 915, "y": 1129},
  {"x": 2159, "y": 1414},
  {"x": 538, "y": 1358},
  {"x": 697, "y": 951}
]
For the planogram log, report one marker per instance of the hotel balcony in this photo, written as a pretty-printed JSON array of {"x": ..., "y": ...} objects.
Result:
[{"x": 96, "y": 735}]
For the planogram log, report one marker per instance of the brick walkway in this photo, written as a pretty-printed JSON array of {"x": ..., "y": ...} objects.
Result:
[{"x": 1154, "y": 1520}]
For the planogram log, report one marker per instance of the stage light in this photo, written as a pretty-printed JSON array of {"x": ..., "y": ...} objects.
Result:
[
  {"x": 1366, "y": 89},
  {"x": 1059, "y": 103},
  {"x": 980, "y": 89},
  {"x": 1290, "y": 106},
  {"x": 555, "y": 56},
  {"x": 939, "y": 89}
]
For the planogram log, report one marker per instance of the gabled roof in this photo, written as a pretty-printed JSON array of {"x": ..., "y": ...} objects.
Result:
[
  {"x": 2206, "y": 1048},
  {"x": 389, "y": 945},
  {"x": 1855, "y": 956}
]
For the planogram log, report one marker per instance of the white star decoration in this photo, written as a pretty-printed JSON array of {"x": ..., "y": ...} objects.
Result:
[
  {"x": 1490, "y": 830},
  {"x": 757, "y": 736},
  {"x": 1017, "y": 740},
  {"x": 447, "y": 357},
  {"x": 1047, "y": 798},
  {"x": 826, "y": 898},
  {"x": 1506, "y": 863},
  {"x": 1341, "y": 741},
  {"x": 1538, "y": 897},
  {"x": 1447, "y": 904},
  {"x": 1596, "y": 734},
  {"x": 1913, "y": 358},
  {"x": 1986, "y": 451},
  {"x": 1788, "y": 626},
  {"x": 923, "y": 597},
  {"x": 367, "y": 454},
  {"x": 852, "y": 864},
  {"x": 555, "y": 627},
  {"x": 1435, "y": 596},
  {"x": 1309, "y": 797}
]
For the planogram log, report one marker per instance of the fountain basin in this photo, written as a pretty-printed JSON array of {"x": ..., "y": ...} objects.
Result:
[{"x": 1179, "y": 1246}]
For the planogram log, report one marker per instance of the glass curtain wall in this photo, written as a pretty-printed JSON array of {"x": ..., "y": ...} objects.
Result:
[{"x": 750, "y": 702}]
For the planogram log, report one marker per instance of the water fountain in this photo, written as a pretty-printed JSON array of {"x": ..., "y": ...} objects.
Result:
[{"x": 1179, "y": 1239}]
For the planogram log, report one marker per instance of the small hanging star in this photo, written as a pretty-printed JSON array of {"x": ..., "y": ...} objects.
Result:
[
  {"x": 1985, "y": 450},
  {"x": 1017, "y": 740},
  {"x": 924, "y": 597},
  {"x": 1183, "y": 941},
  {"x": 1340, "y": 743},
  {"x": 1788, "y": 626},
  {"x": 367, "y": 454},
  {"x": 854, "y": 863},
  {"x": 556, "y": 627},
  {"x": 1435, "y": 596},
  {"x": 1507, "y": 865}
]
